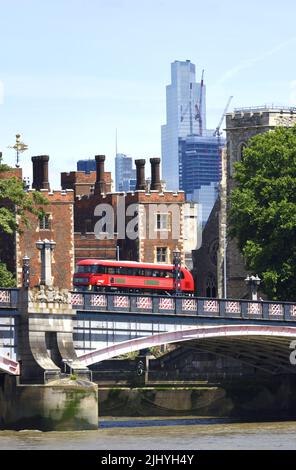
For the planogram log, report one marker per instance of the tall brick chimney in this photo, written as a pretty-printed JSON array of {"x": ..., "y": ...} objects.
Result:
[
  {"x": 141, "y": 183},
  {"x": 100, "y": 182},
  {"x": 155, "y": 174},
  {"x": 40, "y": 172}
]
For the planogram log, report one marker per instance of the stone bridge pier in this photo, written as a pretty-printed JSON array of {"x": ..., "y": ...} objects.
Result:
[
  {"x": 54, "y": 389},
  {"x": 46, "y": 344}
]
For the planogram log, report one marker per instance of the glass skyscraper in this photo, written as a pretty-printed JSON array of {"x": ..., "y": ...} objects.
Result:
[
  {"x": 200, "y": 169},
  {"x": 86, "y": 165},
  {"x": 125, "y": 175},
  {"x": 183, "y": 104}
]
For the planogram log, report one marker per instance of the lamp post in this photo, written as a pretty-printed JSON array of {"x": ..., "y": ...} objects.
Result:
[
  {"x": 225, "y": 268},
  {"x": 253, "y": 282},
  {"x": 177, "y": 269},
  {"x": 26, "y": 272}
]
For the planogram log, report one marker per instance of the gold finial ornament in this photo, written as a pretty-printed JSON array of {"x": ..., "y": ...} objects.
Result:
[{"x": 19, "y": 147}]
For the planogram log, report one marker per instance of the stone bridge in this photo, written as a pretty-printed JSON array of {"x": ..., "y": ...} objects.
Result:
[{"x": 107, "y": 325}]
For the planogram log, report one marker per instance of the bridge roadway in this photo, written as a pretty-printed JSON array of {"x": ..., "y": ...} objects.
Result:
[{"x": 107, "y": 325}]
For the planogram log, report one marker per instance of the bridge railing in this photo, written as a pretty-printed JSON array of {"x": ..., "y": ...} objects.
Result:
[
  {"x": 9, "y": 297},
  {"x": 179, "y": 305}
]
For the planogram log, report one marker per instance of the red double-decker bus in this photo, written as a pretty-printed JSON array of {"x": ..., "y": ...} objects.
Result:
[{"x": 130, "y": 276}]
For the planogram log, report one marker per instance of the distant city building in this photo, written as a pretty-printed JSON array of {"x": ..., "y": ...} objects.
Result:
[
  {"x": 192, "y": 231},
  {"x": 183, "y": 102},
  {"x": 200, "y": 169},
  {"x": 125, "y": 175},
  {"x": 206, "y": 197},
  {"x": 86, "y": 165}
]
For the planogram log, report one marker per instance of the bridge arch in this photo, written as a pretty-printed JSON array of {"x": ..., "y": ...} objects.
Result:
[{"x": 263, "y": 346}]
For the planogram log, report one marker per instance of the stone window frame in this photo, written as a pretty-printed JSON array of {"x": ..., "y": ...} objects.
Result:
[
  {"x": 158, "y": 218},
  {"x": 242, "y": 146},
  {"x": 164, "y": 250},
  {"x": 211, "y": 285},
  {"x": 45, "y": 222},
  {"x": 213, "y": 251}
]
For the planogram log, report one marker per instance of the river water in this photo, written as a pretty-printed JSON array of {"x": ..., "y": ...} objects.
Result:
[{"x": 160, "y": 434}]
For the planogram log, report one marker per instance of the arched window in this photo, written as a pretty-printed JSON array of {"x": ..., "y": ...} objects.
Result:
[
  {"x": 211, "y": 286},
  {"x": 213, "y": 249},
  {"x": 242, "y": 147}
]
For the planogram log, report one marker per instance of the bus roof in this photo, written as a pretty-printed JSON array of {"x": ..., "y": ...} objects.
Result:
[{"x": 131, "y": 264}]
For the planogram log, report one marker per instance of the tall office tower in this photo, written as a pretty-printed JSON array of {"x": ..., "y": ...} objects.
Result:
[
  {"x": 125, "y": 175},
  {"x": 86, "y": 165},
  {"x": 185, "y": 115},
  {"x": 200, "y": 170}
]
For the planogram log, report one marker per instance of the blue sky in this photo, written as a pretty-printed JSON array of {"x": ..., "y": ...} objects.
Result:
[{"x": 72, "y": 71}]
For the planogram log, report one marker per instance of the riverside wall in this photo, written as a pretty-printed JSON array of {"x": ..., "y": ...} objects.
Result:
[{"x": 62, "y": 405}]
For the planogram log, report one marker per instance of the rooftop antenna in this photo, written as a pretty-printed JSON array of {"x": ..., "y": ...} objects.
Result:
[
  {"x": 116, "y": 141},
  {"x": 19, "y": 147},
  {"x": 190, "y": 110}
]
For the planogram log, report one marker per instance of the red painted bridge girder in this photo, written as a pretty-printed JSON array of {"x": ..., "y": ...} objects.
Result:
[{"x": 260, "y": 338}]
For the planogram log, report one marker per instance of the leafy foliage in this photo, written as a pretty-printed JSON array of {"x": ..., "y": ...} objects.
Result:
[
  {"x": 6, "y": 278},
  {"x": 17, "y": 203},
  {"x": 263, "y": 210}
]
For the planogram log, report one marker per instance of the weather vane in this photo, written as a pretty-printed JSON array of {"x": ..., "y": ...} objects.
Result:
[{"x": 19, "y": 147}]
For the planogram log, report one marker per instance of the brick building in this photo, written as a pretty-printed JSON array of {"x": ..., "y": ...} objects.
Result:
[
  {"x": 144, "y": 225},
  {"x": 56, "y": 226},
  {"x": 83, "y": 183}
]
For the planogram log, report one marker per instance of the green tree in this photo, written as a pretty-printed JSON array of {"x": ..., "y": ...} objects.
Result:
[
  {"x": 15, "y": 205},
  {"x": 263, "y": 210},
  {"x": 6, "y": 278}
]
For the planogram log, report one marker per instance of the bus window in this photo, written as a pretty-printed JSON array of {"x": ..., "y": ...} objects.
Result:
[
  {"x": 90, "y": 269},
  {"x": 100, "y": 269},
  {"x": 124, "y": 271}
]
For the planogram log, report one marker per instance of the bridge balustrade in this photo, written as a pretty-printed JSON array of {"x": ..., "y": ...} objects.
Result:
[
  {"x": 179, "y": 305},
  {"x": 170, "y": 305}
]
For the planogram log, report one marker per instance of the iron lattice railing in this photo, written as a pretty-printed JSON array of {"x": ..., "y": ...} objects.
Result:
[{"x": 179, "y": 305}]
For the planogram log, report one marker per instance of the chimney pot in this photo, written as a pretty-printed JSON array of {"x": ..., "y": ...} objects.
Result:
[
  {"x": 141, "y": 183},
  {"x": 155, "y": 174},
  {"x": 100, "y": 180},
  {"x": 40, "y": 172}
]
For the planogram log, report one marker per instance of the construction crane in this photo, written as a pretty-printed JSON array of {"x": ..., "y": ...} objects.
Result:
[
  {"x": 198, "y": 107},
  {"x": 188, "y": 108},
  {"x": 217, "y": 130}
]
